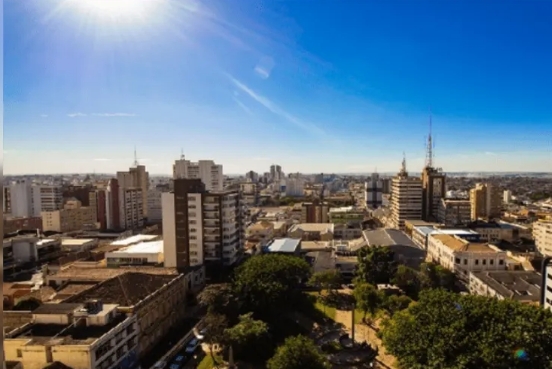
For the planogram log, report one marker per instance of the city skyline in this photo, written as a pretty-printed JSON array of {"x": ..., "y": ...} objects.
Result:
[{"x": 344, "y": 89}]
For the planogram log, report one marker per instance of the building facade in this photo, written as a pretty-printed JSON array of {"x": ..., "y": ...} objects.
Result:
[
  {"x": 73, "y": 217},
  {"x": 201, "y": 226},
  {"x": 131, "y": 214},
  {"x": 406, "y": 198},
  {"x": 374, "y": 192},
  {"x": 206, "y": 170},
  {"x": 520, "y": 285},
  {"x": 136, "y": 177},
  {"x": 548, "y": 288},
  {"x": 433, "y": 190},
  {"x": 542, "y": 233},
  {"x": 485, "y": 201},
  {"x": 155, "y": 212},
  {"x": 454, "y": 212},
  {"x": 315, "y": 212},
  {"x": 295, "y": 187}
]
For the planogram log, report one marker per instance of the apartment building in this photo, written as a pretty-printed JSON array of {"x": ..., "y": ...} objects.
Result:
[
  {"x": 374, "y": 192},
  {"x": 262, "y": 231},
  {"x": 520, "y": 285},
  {"x": 106, "y": 199},
  {"x": 155, "y": 212},
  {"x": 23, "y": 199},
  {"x": 315, "y": 212},
  {"x": 90, "y": 335},
  {"x": 131, "y": 214},
  {"x": 433, "y": 191},
  {"x": 548, "y": 288},
  {"x": 406, "y": 198},
  {"x": 454, "y": 212},
  {"x": 542, "y": 233},
  {"x": 276, "y": 173},
  {"x": 462, "y": 257},
  {"x": 206, "y": 170},
  {"x": 295, "y": 186},
  {"x": 73, "y": 217},
  {"x": 16, "y": 224},
  {"x": 250, "y": 193},
  {"x": 136, "y": 177},
  {"x": 485, "y": 201},
  {"x": 201, "y": 226}
]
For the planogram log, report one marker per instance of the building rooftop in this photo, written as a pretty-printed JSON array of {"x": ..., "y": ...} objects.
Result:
[
  {"x": 76, "y": 273},
  {"x": 76, "y": 241},
  {"x": 278, "y": 225},
  {"x": 315, "y": 245},
  {"x": 125, "y": 290},
  {"x": 284, "y": 245},
  {"x": 343, "y": 209},
  {"x": 459, "y": 232},
  {"x": 458, "y": 244},
  {"x": 425, "y": 230},
  {"x": 63, "y": 308},
  {"x": 46, "y": 242},
  {"x": 154, "y": 247},
  {"x": 262, "y": 225},
  {"x": 519, "y": 285},
  {"x": 312, "y": 227},
  {"x": 133, "y": 239}
]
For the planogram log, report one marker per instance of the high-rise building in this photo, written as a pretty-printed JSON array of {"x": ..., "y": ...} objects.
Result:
[
  {"x": 131, "y": 208},
  {"x": 210, "y": 173},
  {"x": 73, "y": 217},
  {"x": 507, "y": 197},
  {"x": 454, "y": 212},
  {"x": 406, "y": 198},
  {"x": 136, "y": 177},
  {"x": 201, "y": 226},
  {"x": 315, "y": 212},
  {"x": 22, "y": 199},
  {"x": 155, "y": 213},
  {"x": 276, "y": 173},
  {"x": 295, "y": 186},
  {"x": 374, "y": 192},
  {"x": 486, "y": 201},
  {"x": 252, "y": 176},
  {"x": 433, "y": 191},
  {"x": 542, "y": 233},
  {"x": 548, "y": 289}
]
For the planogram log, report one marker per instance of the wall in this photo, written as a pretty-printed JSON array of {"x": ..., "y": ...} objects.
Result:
[{"x": 169, "y": 234}]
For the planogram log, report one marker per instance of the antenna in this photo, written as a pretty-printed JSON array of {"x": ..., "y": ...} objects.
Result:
[
  {"x": 135, "y": 158},
  {"x": 181, "y": 154},
  {"x": 429, "y": 152},
  {"x": 403, "y": 165}
]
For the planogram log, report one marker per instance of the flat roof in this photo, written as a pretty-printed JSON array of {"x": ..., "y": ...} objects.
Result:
[
  {"x": 76, "y": 273},
  {"x": 154, "y": 247},
  {"x": 312, "y": 227},
  {"x": 521, "y": 285},
  {"x": 425, "y": 230},
  {"x": 464, "y": 232},
  {"x": 62, "y": 308},
  {"x": 46, "y": 241},
  {"x": 133, "y": 239},
  {"x": 314, "y": 245},
  {"x": 458, "y": 244},
  {"x": 76, "y": 241},
  {"x": 284, "y": 245}
]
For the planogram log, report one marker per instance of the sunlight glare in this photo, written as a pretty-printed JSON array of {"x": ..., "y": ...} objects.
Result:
[{"x": 130, "y": 10}]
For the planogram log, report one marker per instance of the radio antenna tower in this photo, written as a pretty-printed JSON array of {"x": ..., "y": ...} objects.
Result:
[
  {"x": 135, "y": 158},
  {"x": 429, "y": 149},
  {"x": 181, "y": 154}
]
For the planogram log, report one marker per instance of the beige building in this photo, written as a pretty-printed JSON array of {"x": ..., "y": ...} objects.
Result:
[
  {"x": 262, "y": 231},
  {"x": 315, "y": 213},
  {"x": 485, "y": 201},
  {"x": 312, "y": 231},
  {"x": 136, "y": 177},
  {"x": 463, "y": 257},
  {"x": 453, "y": 212},
  {"x": 542, "y": 233},
  {"x": 131, "y": 209},
  {"x": 206, "y": 170},
  {"x": 406, "y": 198},
  {"x": 522, "y": 286},
  {"x": 73, "y": 217},
  {"x": 346, "y": 214},
  {"x": 90, "y": 335}
]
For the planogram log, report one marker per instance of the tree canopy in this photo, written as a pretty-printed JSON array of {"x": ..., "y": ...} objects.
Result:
[
  {"x": 446, "y": 330},
  {"x": 376, "y": 264},
  {"x": 368, "y": 298},
  {"x": 266, "y": 283},
  {"x": 249, "y": 338},
  {"x": 429, "y": 276},
  {"x": 326, "y": 280},
  {"x": 220, "y": 300},
  {"x": 298, "y": 352}
]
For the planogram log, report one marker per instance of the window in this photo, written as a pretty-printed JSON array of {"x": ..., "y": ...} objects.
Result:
[
  {"x": 491, "y": 262},
  {"x": 476, "y": 261},
  {"x": 484, "y": 261},
  {"x": 457, "y": 260},
  {"x": 465, "y": 261},
  {"x": 501, "y": 262}
]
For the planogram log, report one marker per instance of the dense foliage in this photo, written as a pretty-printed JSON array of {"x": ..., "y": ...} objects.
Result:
[
  {"x": 249, "y": 338},
  {"x": 446, "y": 330},
  {"x": 376, "y": 265},
  {"x": 328, "y": 280},
  {"x": 298, "y": 353},
  {"x": 429, "y": 276},
  {"x": 268, "y": 284}
]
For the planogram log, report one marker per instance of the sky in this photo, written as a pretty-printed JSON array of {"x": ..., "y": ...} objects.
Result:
[{"x": 314, "y": 86}]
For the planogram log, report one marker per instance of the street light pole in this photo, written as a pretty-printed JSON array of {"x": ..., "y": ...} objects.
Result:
[
  {"x": 353, "y": 323},
  {"x": 545, "y": 263}
]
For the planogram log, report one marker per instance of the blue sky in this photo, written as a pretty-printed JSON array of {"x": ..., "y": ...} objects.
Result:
[{"x": 315, "y": 86}]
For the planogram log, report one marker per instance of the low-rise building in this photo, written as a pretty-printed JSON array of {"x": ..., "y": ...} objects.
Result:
[
  {"x": 312, "y": 231},
  {"x": 462, "y": 257},
  {"x": 12, "y": 224},
  {"x": 85, "y": 335},
  {"x": 492, "y": 231},
  {"x": 288, "y": 246},
  {"x": 262, "y": 231},
  {"x": 157, "y": 302},
  {"x": 523, "y": 286},
  {"x": 346, "y": 214},
  {"x": 280, "y": 228},
  {"x": 542, "y": 232},
  {"x": 78, "y": 244},
  {"x": 29, "y": 249},
  {"x": 143, "y": 253},
  {"x": 420, "y": 235},
  {"x": 348, "y": 231}
]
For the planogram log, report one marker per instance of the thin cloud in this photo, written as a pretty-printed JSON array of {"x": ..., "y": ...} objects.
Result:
[
  {"x": 242, "y": 105},
  {"x": 73, "y": 115},
  {"x": 264, "y": 67},
  {"x": 102, "y": 159},
  {"x": 268, "y": 104},
  {"x": 44, "y": 115},
  {"x": 490, "y": 153},
  {"x": 114, "y": 114}
]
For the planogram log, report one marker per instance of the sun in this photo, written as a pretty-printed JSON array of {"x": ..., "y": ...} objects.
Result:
[{"x": 116, "y": 9}]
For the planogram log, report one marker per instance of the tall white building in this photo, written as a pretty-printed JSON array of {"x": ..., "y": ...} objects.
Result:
[
  {"x": 295, "y": 186},
  {"x": 374, "y": 192},
  {"x": 131, "y": 208},
  {"x": 542, "y": 233},
  {"x": 27, "y": 200},
  {"x": 507, "y": 197},
  {"x": 46, "y": 198},
  {"x": 276, "y": 174},
  {"x": 206, "y": 170},
  {"x": 200, "y": 226},
  {"x": 406, "y": 198}
]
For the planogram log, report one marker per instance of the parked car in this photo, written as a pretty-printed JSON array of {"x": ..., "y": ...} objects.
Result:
[{"x": 192, "y": 346}]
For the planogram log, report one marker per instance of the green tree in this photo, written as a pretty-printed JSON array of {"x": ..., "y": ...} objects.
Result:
[
  {"x": 368, "y": 298},
  {"x": 393, "y": 304},
  {"x": 220, "y": 300},
  {"x": 435, "y": 276},
  {"x": 268, "y": 284},
  {"x": 447, "y": 330},
  {"x": 407, "y": 279},
  {"x": 326, "y": 280},
  {"x": 298, "y": 353},
  {"x": 215, "y": 326},
  {"x": 376, "y": 264},
  {"x": 249, "y": 338}
]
